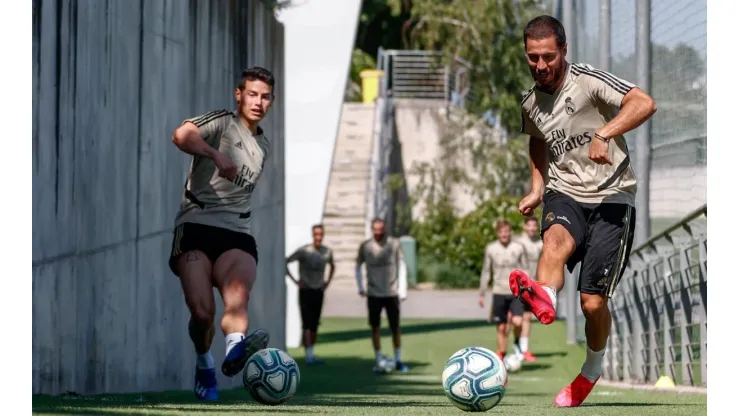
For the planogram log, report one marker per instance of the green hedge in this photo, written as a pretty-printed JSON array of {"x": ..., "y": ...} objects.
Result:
[{"x": 450, "y": 248}]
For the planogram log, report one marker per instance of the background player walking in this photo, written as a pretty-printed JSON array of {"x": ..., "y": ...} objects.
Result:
[
  {"x": 387, "y": 285},
  {"x": 532, "y": 242},
  {"x": 312, "y": 261},
  {"x": 212, "y": 245},
  {"x": 576, "y": 116},
  {"x": 501, "y": 257}
]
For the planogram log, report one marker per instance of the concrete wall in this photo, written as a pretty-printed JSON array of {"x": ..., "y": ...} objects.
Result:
[
  {"x": 111, "y": 81},
  {"x": 319, "y": 36}
]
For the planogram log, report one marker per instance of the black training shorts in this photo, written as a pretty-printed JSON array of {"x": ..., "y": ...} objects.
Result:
[
  {"x": 212, "y": 241},
  {"x": 392, "y": 306},
  {"x": 311, "y": 301},
  {"x": 503, "y": 304},
  {"x": 603, "y": 234}
]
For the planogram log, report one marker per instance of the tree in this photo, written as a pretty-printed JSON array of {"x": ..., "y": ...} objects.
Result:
[{"x": 488, "y": 35}]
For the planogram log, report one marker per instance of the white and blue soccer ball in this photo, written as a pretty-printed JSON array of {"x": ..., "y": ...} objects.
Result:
[
  {"x": 271, "y": 376},
  {"x": 474, "y": 379},
  {"x": 512, "y": 363}
]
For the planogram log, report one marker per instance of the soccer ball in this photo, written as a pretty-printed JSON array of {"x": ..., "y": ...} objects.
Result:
[
  {"x": 271, "y": 376},
  {"x": 385, "y": 365},
  {"x": 512, "y": 363},
  {"x": 474, "y": 379}
]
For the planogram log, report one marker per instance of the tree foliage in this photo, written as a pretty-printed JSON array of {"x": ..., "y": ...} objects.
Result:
[{"x": 488, "y": 35}]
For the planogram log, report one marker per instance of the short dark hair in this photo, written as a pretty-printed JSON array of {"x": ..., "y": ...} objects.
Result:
[
  {"x": 377, "y": 219},
  {"x": 257, "y": 73},
  {"x": 319, "y": 226},
  {"x": 545, "y": 26},
  {"x": 528, "y": 219}
]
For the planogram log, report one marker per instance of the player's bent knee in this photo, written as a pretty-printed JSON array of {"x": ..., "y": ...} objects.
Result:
[
  {"x": 592, "y": 304},
  {"x": 516, "y": 320},
  {"x": 203, "y": 313}
]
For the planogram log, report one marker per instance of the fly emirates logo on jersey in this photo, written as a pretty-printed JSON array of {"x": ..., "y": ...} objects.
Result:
[
  {"x": 560, "y": 145},
  {"x": 246, "y": 178}
]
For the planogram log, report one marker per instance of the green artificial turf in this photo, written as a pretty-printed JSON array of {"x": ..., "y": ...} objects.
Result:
[{"x": 346, "y": 385}]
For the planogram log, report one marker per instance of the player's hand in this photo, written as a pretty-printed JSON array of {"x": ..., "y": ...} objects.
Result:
[
  {"x": 529, "y": 203},
  {"x": 480, "y": 301},
  {"x": 300, "y": 284},
  {"x": 599, "y": 152},
  {"x": 226, "y": 168},
  {"x": 362, "y": 293}
]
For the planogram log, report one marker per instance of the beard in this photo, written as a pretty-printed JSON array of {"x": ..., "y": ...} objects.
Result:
[{"x": 550, "y": 82}]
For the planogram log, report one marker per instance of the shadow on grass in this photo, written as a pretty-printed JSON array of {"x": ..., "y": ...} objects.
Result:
[
  {"x": 343, "y": 336},
  {"x": 640, "y": 404},
  {"x": 341, "y": 382}
]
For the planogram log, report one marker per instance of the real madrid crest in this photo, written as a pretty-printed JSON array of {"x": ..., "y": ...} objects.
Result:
[{"x": 570, "y": 108}]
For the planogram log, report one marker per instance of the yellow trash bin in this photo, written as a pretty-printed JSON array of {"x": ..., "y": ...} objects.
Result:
[{"x": 370, "y": 84}]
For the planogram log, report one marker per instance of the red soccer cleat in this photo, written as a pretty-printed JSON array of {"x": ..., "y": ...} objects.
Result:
[
  {"x": 501, "y": 354},
  {"x": 529, "y": 357},
  {"x": 574, "y": 393},
  {"x": 532, "y": 293}
]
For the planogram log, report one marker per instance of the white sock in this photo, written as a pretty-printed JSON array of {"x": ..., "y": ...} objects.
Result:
[
  {"x": 309, "y": 352},
  {"x": 397, "y": 353},
  {"x": 553, "y": 296},
  {"x": 378, "y": 355},
  {"x": 204, "y": 361},
  {"x": 232, "y": 339},
  {"x": 592, "y": 367},
  {"x": 524, "y": 344}
]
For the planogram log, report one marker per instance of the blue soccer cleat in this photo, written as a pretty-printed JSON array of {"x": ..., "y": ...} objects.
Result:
[
  {"x": 401, "y": 367},
  {"x": 205, "y": 384},
  {"x": 236, "y": 358}
]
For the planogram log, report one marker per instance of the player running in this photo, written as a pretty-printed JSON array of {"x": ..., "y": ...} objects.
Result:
[
  {"x": 532, "y": 243},
  {"x": 501, "y": 257},
  {"x": 312, "y": 261},
  {"x": 386, "y": 286},
  {"x": 576, "y": 116},
  {"x": 212, "y": 245}
]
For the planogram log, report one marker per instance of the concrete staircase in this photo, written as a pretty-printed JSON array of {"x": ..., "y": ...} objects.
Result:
[{"x": 345, "y": 207}]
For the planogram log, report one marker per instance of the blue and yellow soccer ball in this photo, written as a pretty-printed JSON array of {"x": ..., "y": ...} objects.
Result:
[
  {"x": 474, "y": 379},
  {"x": 271, "y": 376}
]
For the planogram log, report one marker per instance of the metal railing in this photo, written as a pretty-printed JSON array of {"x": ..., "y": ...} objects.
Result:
[
  {"x": 659, "y": 310},
  {"x": 407, "y": 74}
]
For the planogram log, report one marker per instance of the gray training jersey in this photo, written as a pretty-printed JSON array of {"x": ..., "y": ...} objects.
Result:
[
  {"x": 567, "y": 121},
  {"x": 382, "y": 260},
  {"x": 210, "y": 199},
  {"x": 312, "y": 263},
  {"x": 498, "y": 262}
]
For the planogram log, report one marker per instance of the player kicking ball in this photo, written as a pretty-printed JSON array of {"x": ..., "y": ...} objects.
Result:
[
  {"x": 212, "y": 245},
  {"x": 576, "y": 116}
]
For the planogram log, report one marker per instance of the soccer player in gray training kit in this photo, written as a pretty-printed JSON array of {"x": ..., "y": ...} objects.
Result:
[
  {"x": 312, "y": 261},
  {"x": 501, "y": 257},
  {"x": 576, "y": 117},
  {"x": 212, "y": 245},
  {"x": 532, "y": 242},
  {"x": 386, "y": 286}
]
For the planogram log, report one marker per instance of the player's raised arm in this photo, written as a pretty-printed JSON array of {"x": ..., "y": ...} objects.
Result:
[
  {"x": 196, "y": 136},
  {"x": 633, "y": 106}
]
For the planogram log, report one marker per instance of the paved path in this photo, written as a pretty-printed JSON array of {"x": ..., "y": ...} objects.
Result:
[{"x": 343, "y": 300}]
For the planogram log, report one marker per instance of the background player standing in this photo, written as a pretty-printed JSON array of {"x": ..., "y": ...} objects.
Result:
[
  {"x": 576, "y": 116},
  {"x": 387, "y": 286},
  {"x": 532, "y": 242},
  {"x": 501, "y": 257},
  {"x": 312, "y": 261},
  {"x": 212, "y": 245}
]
